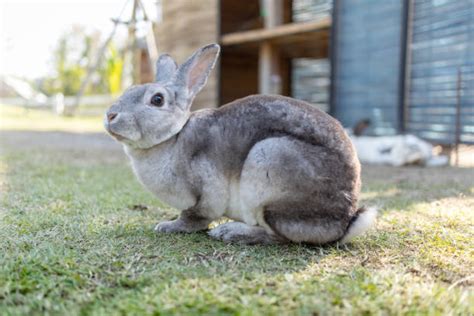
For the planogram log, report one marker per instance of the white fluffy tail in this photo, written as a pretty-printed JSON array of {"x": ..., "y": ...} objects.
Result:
[{"x": 362, "y": 221}]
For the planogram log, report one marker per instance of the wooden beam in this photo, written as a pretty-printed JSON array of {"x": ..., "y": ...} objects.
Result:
[
  {"x": 275, "y": 32},
  {"x": 273, "y": 12},
  {"x": 270, "y": 79}
]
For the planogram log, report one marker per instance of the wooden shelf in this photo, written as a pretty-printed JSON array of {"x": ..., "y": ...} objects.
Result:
[{"x": 275, "y": 33}]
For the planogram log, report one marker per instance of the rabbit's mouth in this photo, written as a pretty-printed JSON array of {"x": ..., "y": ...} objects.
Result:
[
  {"x": 113, "y": 134},
  {"x": 117, "y": 136}
]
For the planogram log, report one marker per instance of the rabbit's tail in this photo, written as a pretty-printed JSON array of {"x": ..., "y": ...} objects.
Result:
[{"x": 362, "y": 220}]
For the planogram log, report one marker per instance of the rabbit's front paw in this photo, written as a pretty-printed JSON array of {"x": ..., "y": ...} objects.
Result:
[{"x": 176, "y": 226}]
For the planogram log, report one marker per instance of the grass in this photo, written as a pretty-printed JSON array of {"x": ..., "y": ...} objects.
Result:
[{"x": 76, "y": 238}]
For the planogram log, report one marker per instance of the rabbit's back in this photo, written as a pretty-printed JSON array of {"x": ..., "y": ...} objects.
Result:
[{"x": 228, "y": 133}]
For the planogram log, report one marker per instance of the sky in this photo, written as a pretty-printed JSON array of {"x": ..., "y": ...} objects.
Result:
[{"x": 29, "y": 29}]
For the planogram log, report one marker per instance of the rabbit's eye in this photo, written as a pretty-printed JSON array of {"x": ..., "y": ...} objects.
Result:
[{"x": 157, "y": 99}]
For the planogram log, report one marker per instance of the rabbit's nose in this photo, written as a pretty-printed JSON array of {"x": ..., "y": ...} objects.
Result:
[{"x": 111, "y": 116}]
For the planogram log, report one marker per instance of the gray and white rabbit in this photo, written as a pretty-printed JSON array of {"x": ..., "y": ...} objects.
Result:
[{"x": 280, "y": 168}]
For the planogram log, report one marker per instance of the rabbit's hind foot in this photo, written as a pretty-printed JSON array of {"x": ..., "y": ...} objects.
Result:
[
  {"x": 189, "y": 221},
  {"x": 241, "y": 233}
]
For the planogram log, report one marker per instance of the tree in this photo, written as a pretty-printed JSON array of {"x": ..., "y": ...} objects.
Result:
[{"x": 75, "y": 52}]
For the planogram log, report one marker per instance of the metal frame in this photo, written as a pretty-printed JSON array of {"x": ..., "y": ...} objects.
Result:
[
  {"x": 219, "y": 60},
  {"x": 405, "y": 58},
  {"x": 332, "y": 57}
]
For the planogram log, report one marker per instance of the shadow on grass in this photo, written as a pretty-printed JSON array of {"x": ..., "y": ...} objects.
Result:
[{"x": 199, "y": 250}]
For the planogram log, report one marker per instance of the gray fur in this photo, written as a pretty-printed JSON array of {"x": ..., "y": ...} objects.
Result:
[
  {"x": 192, "y": 75},
  {"x": 284, "y": 168},
  {"x": 189, "y": 221},
  {"x": 165, "y": 69}
]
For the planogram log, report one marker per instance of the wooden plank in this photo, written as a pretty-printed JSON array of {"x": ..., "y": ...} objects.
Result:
[{"x": 275, "y": 32}]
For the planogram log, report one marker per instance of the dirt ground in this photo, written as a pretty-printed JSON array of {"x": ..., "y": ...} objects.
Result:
[
  {"x": 59, "y": 140},
  {"x": 99, "y": 146}
]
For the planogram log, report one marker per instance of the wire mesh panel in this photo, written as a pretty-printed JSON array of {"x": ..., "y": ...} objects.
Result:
[
  {"x": 310, "y": 10},
  {"x": 310, "y": 77},
  {"x": 442, "y": 47},
  {"x": 310, "y": 81},
  {"x": 368, "y": 66}
]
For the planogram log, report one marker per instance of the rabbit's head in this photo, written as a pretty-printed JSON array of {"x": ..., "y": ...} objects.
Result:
[{"x": 149, "y": 114}]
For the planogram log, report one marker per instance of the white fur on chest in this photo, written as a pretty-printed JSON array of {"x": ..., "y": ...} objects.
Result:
[
  {"x": 157, "y": 172},
  {"x": 237, "y": 209}
]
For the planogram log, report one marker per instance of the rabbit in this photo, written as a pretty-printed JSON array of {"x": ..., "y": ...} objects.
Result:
[{"x": 281, "y": 169}]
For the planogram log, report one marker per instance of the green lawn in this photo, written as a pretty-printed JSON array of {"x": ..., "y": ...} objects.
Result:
[{"x": 76, "y": 238}]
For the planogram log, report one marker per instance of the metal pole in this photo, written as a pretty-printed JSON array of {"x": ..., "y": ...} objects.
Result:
[
  {"x": 333, "y": 56},
  {"x": 404, "y": 83},
  {"x": 134, "y": 44},
  {"x": 458, "y": 115}
]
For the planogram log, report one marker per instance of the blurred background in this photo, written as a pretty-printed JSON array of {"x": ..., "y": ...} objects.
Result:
[
  {"x": 76, "y": 227},
  {"x": 390, "y": 67}
]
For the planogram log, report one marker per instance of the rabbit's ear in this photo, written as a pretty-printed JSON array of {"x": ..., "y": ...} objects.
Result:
[
  {"x": 193, "y": 74},
  {"x": 165, "y": 68}
]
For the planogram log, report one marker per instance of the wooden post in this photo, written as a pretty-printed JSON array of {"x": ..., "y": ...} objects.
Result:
[
  {"x": 269, "y": 69},
  {"x": 134, "y": 44},
  {"x": 270, "y": 79},
  {"x": 273, "y": 12}
]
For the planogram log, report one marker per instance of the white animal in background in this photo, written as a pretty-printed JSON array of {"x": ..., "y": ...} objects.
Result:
[{"x": 397, "y": 150}]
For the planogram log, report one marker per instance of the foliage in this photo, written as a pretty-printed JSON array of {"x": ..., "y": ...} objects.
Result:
[
  {"x": 74, "y": 54},
  {"x": 113, "y": 70}
]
